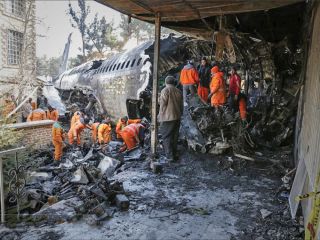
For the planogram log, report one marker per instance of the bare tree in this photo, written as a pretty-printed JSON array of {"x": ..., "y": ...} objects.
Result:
[{"x": 78, "y": 20}]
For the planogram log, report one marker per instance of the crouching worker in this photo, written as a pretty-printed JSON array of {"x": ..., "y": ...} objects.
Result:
[
  {"x": 57, "y": 140},
  {"x": 52, "y": 113},
  {"x": 171, "y": 109},
  {"x": 37, "y": 115},
  {"x": 122, "y": 123},
  {"x": 104, "y": 131},
  {"x": 74, "y": 134},
  {"x": 132, "y": 135}
]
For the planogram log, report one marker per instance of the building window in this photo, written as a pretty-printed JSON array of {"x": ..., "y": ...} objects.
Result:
[
  {"x": 15, "y": 42},
  {"x": 16, "y": 7}
]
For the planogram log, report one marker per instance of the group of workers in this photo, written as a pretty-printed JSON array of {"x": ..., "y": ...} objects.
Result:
[
  {"x": 130, "y": 131},
  {"x": 212, "y": 87}
]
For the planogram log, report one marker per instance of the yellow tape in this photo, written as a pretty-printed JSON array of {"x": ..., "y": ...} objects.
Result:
[
  {"x": 305, "y": 196},
  {"x": 313, "y": 219}
]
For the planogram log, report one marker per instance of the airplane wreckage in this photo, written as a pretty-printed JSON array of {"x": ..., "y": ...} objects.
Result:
[{"x": 269, "y": 67}]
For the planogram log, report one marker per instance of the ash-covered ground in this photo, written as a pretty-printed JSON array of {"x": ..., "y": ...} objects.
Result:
[{"x": 195, "y": 198}]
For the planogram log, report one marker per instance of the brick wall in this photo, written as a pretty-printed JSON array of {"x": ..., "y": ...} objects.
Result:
[{"x": 37, "y": 134}]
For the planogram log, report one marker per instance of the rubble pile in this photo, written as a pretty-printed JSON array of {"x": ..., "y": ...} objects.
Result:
[
  {"x": 80, "y": 185},
  {"x": 272, "y": 86}
]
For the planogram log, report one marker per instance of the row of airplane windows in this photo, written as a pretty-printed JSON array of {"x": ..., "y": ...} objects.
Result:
[
  {"x": 113, "y": 67},
  {"x": 110, "y": 67}
]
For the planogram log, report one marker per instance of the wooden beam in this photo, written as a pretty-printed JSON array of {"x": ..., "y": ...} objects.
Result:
[
  {"x": 199, "y": 15},
  {"x": 155, "y": 84},
  {"x": 142, "y": 5}
]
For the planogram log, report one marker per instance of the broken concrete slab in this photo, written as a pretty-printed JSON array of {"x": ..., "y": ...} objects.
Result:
[
  {"x": 133, "y": 154},
  {"x": 34, "y": 177},
  {"x": 59, "y": 212},
  {"x": 67, "y": 165},
  {"x": 122, "y": 202},
  {"x": 87, "y": 157},
  {"x": 108, "y": 165},
  {"x": 80, "y": 176}
]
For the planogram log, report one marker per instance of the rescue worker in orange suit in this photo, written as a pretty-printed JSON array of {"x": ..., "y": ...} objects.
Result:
[
  {"x": 204, "y": 80},
  {"x": 188, "y": 78},
  {"x": 122, "y": 123},
  {"x": 37, "y": 115},
  {"x": 74, "y": 134},
  {"x": 57, "y": 140},
  {"x": 52, "y": 114},
  {"x": 234, "y": 89},
  {"x": 217, "y": 88},
  {"x": 94, "y": 131},
  {"x": 75, "y": 118},
  {"x": 132, "y": 135},
  {"x": 104, "y": 131},
  {"x": 242, "y": 100}
]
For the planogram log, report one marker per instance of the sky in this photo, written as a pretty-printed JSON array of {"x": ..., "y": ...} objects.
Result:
[{"x": 53, "y": 26}]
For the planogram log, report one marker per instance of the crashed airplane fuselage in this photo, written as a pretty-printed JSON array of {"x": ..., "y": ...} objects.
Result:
[{"x": 122, "y": 83}]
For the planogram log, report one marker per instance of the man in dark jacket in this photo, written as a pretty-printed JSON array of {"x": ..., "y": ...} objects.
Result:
[
  {"x": 205, "y": 78},
  {"x": 170, "y": 112}
]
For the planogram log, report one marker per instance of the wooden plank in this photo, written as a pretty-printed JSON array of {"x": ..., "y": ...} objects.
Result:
[{"x": 155, "y": 84}]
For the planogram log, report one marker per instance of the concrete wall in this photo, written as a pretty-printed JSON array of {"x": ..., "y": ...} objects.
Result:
[
  {"x": 37, "y": 134},
  {"x": 10, "y": 73}
]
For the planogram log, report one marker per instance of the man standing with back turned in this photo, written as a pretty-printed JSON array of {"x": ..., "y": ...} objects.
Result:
[{"x": 171, "y": 109}]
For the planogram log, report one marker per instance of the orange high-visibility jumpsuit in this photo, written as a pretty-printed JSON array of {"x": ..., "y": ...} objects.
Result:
[
  {"x": 75, "y": 118},
  {"x": 34, "y": 105},
  {"x": 121, "y": 125},
  {"x": 57, "y": 139},
  {"x": 37, "y": 115},
  {"x": 104, "y": 133},
  {"x": 130, "y": 135},
  {"x": 189, "y": 76},
  {"x": 218, "y": 90},
  {"x": 243, "y": 108},
  {"x": 54, "y": 115},
  {"x": 94, "y": 131},
  {"x": 75, "y": 132}
]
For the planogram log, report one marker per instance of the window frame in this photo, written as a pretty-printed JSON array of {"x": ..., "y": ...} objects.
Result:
[{"x": 14, "y": 47}]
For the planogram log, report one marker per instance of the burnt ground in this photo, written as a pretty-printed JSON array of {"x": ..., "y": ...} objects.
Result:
[{"x": 192, "y": 199}]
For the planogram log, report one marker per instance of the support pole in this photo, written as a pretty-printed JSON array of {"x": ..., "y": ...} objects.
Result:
[{"x": 154, "y": 123}]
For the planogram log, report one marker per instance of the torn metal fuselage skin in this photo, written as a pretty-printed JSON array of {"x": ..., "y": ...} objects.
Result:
[{"x": 122, "y": 83}]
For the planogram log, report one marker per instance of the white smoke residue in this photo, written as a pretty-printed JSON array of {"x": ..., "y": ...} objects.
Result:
[
  {"x": 54, "y": 100},
  {"x": 145, "y": 74}
]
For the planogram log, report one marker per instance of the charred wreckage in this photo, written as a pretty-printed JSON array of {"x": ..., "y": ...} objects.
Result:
[{"x": 269, "y": 63}]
